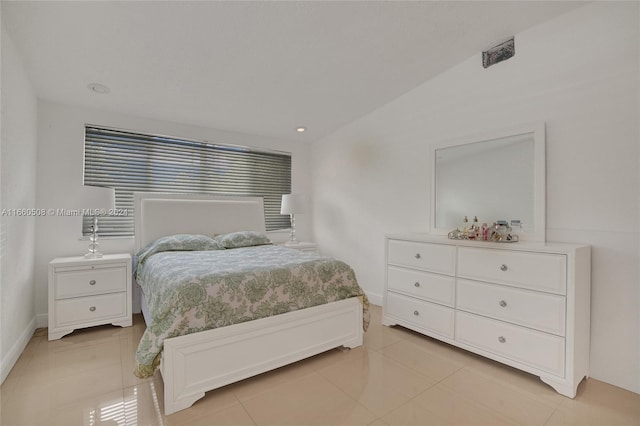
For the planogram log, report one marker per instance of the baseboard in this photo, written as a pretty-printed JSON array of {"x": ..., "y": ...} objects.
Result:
[
  {"x": 374, "y": 298},
  {"x": 14, "y": 353},
  {"x": 42, "y": 320}
]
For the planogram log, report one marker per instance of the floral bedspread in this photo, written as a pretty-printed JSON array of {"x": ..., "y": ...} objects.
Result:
[{"x": 192, "y": 291}]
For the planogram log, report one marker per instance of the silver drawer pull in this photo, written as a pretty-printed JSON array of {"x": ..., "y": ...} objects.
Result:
[
  {"x": 501, "y": 339},
  {"x": 417, "y": 284},
  {"x": 417, "y": 256},
  {"x": 92, "y": 309},
  {"x": 503, "y": 267},
  {"x": 92, "y": 282},
  {"x": 416, "y": 313},
  {"x": 502, "y": 303}
]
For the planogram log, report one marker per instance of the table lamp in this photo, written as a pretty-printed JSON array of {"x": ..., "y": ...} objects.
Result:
[{"x": 292, "y": 204}]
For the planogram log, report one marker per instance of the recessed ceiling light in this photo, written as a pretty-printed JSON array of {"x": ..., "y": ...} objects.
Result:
[
  {"x": 99, "y": 88},
  {"x": 301, "y": 129}
]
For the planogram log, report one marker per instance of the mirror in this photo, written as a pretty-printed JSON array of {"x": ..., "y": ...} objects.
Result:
[{"x": 497, "y": 176}]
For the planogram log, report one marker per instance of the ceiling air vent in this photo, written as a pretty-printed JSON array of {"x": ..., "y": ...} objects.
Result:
[{"x": 498, "y": 53}]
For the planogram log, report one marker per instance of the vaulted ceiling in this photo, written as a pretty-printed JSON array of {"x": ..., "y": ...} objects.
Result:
[{"x": 259, "y": 67}]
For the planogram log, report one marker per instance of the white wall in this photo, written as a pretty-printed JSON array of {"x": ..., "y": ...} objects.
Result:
[
  {"x": 60, "y": 171},
  {"x": 18, "y": 190},
  {"x": 579, "y": 74}
]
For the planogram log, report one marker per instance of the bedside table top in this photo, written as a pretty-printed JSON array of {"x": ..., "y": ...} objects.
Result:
[
  {"x": 88, "y": 261},
  {"x": 300, "y": 245}
]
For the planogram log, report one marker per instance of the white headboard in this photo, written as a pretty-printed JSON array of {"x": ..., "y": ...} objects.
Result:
[{"x": 158, "y": 215}]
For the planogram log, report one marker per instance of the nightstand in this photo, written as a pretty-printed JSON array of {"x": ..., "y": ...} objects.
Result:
[
  {"x": 88, "y": 292},
  {"x": 303, "y": 246}
]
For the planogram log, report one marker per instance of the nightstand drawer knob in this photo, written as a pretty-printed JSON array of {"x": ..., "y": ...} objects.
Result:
[
  {"x": 503, "y": 267},
  {"x": 92, "y": 309},
  {"x": 501, "y": 339},
  {"x": 417, "y": 284},
  {"x": 417, "y": 256},
  {"x": 92, "y": 282},
  {"x": 416, "y": 313},
  {"x": 503, "y": 303}
]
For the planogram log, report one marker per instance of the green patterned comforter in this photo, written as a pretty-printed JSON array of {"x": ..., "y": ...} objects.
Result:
[{"x": 192, "y": 291}]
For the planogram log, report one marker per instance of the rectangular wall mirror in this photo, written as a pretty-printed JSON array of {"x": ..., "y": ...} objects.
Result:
[{"x": 494, "y": 176}]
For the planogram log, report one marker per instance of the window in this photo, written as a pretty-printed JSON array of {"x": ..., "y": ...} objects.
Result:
[{"x": 131, "y": 162}]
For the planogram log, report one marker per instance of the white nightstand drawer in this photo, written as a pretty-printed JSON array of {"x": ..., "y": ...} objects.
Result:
[
  {"x": 89, "y": 280},
  {"x": 438, "y": 258},
  {"x": 91, "y": 308},
  {"x": 432, "y": 287},
  {"x": 538, "y": 271},
  {"x": 425, "y": 315},
  {"x": 535, "y": 348},
  {"x": 543, "y": 311}
]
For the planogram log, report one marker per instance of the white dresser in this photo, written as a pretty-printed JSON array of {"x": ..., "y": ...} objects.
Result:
[
  {"x": 523, "y": 304},
  {"x": 88, "y": 292}
]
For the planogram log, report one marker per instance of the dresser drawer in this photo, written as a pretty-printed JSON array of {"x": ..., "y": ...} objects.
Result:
[
  {"x": 544, "y": 272},
  {"x": 438, "y": 258},
  {"x": 425, "y": 315},
  {"x": 432, "y": 287},
  {"x": 89, "y": 309},
  {"x": 543, "y": 311},
  {"x": 537, "y": 349},
  {"x": 85, "y": 281}
]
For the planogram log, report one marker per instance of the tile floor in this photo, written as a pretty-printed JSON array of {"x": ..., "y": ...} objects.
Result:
[{"x": 397, "y": 378}]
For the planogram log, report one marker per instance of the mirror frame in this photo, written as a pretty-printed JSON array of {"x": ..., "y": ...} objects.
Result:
[{"x": 538, "y": 131}]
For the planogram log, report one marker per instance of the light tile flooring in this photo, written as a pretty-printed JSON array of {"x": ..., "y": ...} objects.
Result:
[{"x": 396, "y": 378}]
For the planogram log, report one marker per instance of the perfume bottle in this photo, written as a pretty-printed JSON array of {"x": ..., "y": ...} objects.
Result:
[
  {"x": 465, "y": 227},
  {"x": 503, "y": 230},
  {"x": 475, "y": 229},
  {"x": 494, "y": 233}
]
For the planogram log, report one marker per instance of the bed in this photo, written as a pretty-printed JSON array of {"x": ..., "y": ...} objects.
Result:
[{"x": 194, "y": 359}]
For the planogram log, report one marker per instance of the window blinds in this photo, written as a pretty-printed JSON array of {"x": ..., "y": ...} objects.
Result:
[{"x": 134, "y": 162}]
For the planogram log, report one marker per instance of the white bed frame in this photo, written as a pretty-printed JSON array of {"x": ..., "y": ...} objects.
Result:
[{"x": 196, "y": 363}]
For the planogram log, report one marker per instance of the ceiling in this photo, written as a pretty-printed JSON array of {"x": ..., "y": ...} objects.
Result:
[{"x": 263, "y": 67}]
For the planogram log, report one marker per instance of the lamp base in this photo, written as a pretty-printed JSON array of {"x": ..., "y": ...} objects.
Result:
[
  {"x": 292, "y": 237},
  {"x": 94, "y": 255},
  {"x": 93, "y": 247}
]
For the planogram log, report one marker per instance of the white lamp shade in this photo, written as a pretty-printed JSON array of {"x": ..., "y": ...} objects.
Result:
[
  {"x": 98, "y": 198},
  {"x": 292, "y": 204}
]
